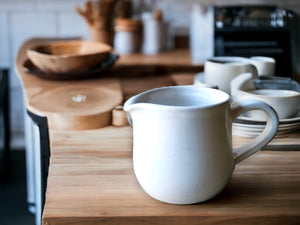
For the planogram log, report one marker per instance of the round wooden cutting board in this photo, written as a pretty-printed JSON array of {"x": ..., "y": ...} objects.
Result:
[{"x": 78, "y": 107}]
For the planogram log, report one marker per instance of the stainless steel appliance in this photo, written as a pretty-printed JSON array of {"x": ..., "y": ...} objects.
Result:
[{"x": 256, "y": 31}]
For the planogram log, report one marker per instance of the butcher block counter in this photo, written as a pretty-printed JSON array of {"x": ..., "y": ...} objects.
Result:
[{"x": 91, "y": 179}]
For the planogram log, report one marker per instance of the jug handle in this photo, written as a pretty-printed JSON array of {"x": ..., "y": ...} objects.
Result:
[{"x": 242, "y": 152}]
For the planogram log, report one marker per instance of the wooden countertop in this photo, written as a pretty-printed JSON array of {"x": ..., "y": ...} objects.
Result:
[
  {"x": 137, "y": 66},
  {"x": 91, "y": 180},
  {"x": 179, "y": 57},
  {"x": 130, "y": 70}
]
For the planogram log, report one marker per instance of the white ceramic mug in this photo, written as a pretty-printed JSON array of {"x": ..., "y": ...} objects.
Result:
[
  {"x": 222, "y": 70},
  {"x": 264, "y": 65},
  {"x": 286, "y": 103},
  {"x": 182, "y": 145}
]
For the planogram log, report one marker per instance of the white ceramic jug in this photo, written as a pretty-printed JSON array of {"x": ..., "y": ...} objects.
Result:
[{"x": 182, "y": 148}]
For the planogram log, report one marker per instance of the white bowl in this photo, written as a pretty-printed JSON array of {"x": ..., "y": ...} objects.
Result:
[{"x": 285, "y": 102}]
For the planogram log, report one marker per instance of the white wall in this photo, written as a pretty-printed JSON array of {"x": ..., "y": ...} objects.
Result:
[
  {"x": 24, "y": 19},
  {"x": 21, "y": 20}
]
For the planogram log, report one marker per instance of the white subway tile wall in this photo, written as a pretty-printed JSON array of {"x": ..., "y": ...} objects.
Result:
[
  {"x": 58, "y": 5},
  {"x": 24, "y": 19},
  {"x": 25, "y": 25},
  {"x": 17, "y": 5},
  {"x": 71, "y": 25},
  {"x": 4, "y": 40}
]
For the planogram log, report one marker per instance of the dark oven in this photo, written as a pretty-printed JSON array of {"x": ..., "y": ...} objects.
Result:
[{"x": 256, "y": 31}]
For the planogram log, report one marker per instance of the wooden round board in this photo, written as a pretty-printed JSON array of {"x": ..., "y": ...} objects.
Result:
[{"x": 79, "y": 106}]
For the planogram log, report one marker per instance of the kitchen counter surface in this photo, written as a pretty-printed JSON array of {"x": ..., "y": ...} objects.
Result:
[
  {"x": 137, "y": 66},
  {"x": 91, "y": 179}
]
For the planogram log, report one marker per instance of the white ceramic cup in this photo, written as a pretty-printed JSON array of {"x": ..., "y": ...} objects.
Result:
[
  {"x": 221, "y": 71},
  {"x": 264, "y": 65},
  {"x": 286, "y": 103},
  {"x": 182, "y": 145}
]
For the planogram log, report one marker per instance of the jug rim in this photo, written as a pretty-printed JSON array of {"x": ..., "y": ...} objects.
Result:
[
  {"x": 229, "y": 61},
  {"x": 223, "y": 98}
]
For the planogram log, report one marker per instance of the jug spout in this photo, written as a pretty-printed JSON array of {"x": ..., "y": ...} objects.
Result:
[
  {"x": 136, "y": 104},
  {"x": 129, "y": 107}
]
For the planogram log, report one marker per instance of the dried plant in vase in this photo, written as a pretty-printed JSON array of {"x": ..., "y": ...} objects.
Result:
[{"x": 99, "y": 15}]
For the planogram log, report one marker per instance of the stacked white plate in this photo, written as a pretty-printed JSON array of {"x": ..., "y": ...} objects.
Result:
[{"x": 249, "y": 127}]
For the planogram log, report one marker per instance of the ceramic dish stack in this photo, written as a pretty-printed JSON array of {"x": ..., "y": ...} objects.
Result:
[
  {"x": 249, "y": 127},
  {"x": 285, "y": 102},
  {"x": 64, "y": 60}
]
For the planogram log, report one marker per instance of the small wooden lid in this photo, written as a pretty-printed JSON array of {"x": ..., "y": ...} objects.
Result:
[
  {"x": 158, "y": 15},
  {"x": 125, "y": 24},
  {"x": 119, "y": 117}
]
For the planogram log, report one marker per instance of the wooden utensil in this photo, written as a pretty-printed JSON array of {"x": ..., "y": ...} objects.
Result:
[{"x": 119, "y": 117}]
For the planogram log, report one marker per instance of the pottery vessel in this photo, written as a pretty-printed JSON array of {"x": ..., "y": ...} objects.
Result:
[
  {"x": 182, "y": 145},
  {"x": 286, "y": 103},
  {"x": 264, "y": 65},
  {"x": 68, "y": 56},
  {"x": 221, "y": 71}
]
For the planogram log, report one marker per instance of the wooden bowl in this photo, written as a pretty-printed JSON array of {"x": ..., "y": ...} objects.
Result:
[{"x": 68, "y": 56}]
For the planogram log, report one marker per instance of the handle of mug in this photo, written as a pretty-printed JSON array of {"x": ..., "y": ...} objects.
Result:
[
  {"x": 262, "y": 139},
  {"x": 254, "y": 71}
]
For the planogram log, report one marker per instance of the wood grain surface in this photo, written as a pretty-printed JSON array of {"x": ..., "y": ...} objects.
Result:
[
  {"x": 179, "y": 57},
  {"x": 68, "y": 56},
  {"x": 48, "y": 98},
  {"x": 91, "y": 181},
  {"x": 79, "y": 106},
  {"x": 288, "y": 141}
]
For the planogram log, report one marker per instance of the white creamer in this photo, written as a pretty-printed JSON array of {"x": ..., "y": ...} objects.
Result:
[{"x": 182, "y": 144}]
